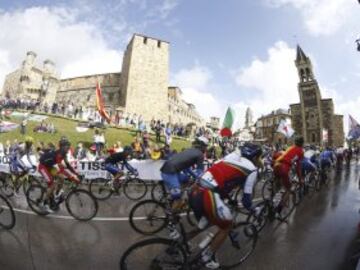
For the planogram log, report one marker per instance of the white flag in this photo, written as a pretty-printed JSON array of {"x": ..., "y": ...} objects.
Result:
[{"x": 285, "y": 128}]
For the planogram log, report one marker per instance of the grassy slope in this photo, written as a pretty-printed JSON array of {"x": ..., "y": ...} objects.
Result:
[{"x": 67, "y": 127}]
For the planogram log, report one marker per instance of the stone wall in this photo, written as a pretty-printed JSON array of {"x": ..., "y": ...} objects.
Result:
[
  {"x": 81, "y": 90},
  {"x": 11, "y": 84},
  {"x": 338, "y": 131},
  {"x": 295, "y": 110}
]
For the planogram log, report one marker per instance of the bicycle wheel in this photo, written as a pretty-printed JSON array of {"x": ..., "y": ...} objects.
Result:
[
  {"x": 261, "y": 220},
  {"x": 148, "y": 217},
  {"x": 233, "y": 253},
  {"x": 134, "y": 188},
  {"x": 31, "y": 180},
  {"x": 7, "y": 215},
  {"x": 101, "y": 189},
  {"x": 35, "y": 196},
  {"x": 267, "y": 189},
  {"x": 6, "y": 185},
  {"x": 158, "y": 192},
  {"x": 81, "y": 204},
  {"x": 156, "y": 253},
  {"x": 288, "y": 206}
]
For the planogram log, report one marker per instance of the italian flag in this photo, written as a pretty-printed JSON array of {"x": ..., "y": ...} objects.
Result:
[
  {"x": 228, "y": 122},
  {"x": 100, "y": 103}
]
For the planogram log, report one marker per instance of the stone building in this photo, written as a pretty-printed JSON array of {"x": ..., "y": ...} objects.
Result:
[
  {"x": 214, "y": 123},
  {"x": 141, "y": 88},
  {"x": 266, "y": 127},
  {"x": 314, "y": 116}
]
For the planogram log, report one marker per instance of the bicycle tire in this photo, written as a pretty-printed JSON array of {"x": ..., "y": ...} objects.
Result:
[
  {"x": 101, "y": 189},
  {"x": 6, "y": 206},
  {"x": 140, "y": 188},
  {"x": 263, "y": 217},
  {"x": 6, "y": 185},
  {"x": 170, "y": 249},
  {"x": 71, "y": 210},
  {"x": 34, "y": 200},
  {"x": 267, "y": 190},
  {"x": 137, "y": 214},
  {"x": 287, "y": 211},
  {"x": 158, "y": 192},
  {"x": 31, "y": 180},
  {"x": 230, "y": 256}
]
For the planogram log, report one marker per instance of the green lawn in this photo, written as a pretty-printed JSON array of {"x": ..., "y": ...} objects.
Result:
[{"x": 66, "y": 127}]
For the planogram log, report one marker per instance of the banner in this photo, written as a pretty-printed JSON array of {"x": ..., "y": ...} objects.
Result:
[
  {"x": 100, "y": 103},
  {"x": 7, "y": 126},
  {"x": 325, "y": 135},
  {"x": 147, "y": 169}
]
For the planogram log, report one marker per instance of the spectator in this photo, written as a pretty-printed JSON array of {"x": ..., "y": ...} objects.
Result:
[
  {"x": 137, "y": 148},
  {"x": 23, "y": 126},
  {"x": 168, "y": 132},
  {"x": 158, "y": 131},
  {"x": 80, "y": 152}
]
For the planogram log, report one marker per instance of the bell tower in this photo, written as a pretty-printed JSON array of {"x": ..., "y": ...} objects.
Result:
[{"x": 310, "y": 99}]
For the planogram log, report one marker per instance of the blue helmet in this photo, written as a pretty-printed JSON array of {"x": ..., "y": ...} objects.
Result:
[{"x": 250, "y": 151}]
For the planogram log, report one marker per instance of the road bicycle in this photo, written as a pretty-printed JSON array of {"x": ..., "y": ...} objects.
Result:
[
  {"x": 80, "y": 203},
  {"x": 186, "y": 252},
  {"x": 7, "y": 215}
]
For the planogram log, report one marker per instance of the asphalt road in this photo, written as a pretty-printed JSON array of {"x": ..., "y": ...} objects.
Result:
[{"x": 321, "y": 234}]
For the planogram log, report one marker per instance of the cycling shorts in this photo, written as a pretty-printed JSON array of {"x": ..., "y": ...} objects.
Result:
[
  {"x": 207, "y": 203},
  {"x": 173, "y": 183},
  {"x": 112, "y": 168},
  {"x": 282, "y": 171},
  {"x": 49, "y": 173}
]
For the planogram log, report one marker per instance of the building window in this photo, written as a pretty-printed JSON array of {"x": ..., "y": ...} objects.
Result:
[
  {"x": 88, "y": 97},
  {"x": 145, "y": 40},
  {"x": 159, "y": 44}
]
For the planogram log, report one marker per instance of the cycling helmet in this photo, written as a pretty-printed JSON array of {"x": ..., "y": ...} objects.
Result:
[
  {"x": 201, "y": 141},
  {"x": 299, "y": 141},
  {"x": 64, "y": 142},
  {"x": 128, "y": 149},
  {"x": 250, "y": 151}
]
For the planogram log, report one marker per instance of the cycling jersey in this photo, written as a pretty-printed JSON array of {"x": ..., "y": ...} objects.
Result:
[
  {"x": 285, "y": 161},
  {"x": 116, "y": 157},
  {"x": 112, "y": 160},
  {"x": 184, "y": 160},
  {"x": 172, "y": 172},
  {"x": 48, "y": 168},
  {"x": 326, "y": 159}
]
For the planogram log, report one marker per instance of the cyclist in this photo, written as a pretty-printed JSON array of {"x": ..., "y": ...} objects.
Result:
[
  {"x": 17, "y": 166},
  {"x": 112, "y": 160},
  {"x": 207, "y": 196},
  {"x": 327, "y": 159},
  {"x": 55, "y": 163},
  {"x": 175, "y": 171},
  {"x": 293, "y": 155},
  {"x": 309, "y": 163}
]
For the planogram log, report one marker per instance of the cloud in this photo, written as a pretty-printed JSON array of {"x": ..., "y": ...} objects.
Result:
[
  {"x": 321, "y": 17},
  {"x": 273, "y": 81},
  {"x": 77, "y": 48},
  {"x": 195, "y": 83}
]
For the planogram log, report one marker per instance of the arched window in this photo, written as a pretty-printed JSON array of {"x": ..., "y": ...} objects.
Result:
[
  {"x": 302, "y": 75},
  {"x": 308, "y": 74}
]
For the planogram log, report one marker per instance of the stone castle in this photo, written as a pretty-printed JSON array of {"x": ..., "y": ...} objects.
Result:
[
  {"x": 141, "y": 88},
  {"x": 314, "y": 117}
]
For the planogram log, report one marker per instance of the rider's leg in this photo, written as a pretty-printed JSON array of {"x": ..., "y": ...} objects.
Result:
[{"x": 172, "y": 184}]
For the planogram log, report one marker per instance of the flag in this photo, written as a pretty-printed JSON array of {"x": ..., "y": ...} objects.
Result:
[
  {"x": 285, "y": 128},
  {"x": 354, "y": 129},
  {"x": 228, "y": 122},
  {"x": 100, "y": 103}
]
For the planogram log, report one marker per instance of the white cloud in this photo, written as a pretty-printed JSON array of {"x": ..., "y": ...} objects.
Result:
[
  {"x": 321, "y": 17},
  {"x": 195, "y": 83},
  {"x": 274, "y": 80},
  {"x": 77, "y": 48}
]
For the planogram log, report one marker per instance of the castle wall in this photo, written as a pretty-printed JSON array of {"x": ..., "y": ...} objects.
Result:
[
  {"x": 338, "y": 130},
  {"x": 81, "y": 90},
  {"x": 11, "y": 84}
]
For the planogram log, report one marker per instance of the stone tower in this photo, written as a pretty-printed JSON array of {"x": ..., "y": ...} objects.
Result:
[
  {"x": 145, "y": 78},
  {"x": 310, "y": 99},
  {"x": 248, "y": 118}
]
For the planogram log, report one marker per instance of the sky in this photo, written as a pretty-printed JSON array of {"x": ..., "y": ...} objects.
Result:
[{"x": 222, "y": 52}]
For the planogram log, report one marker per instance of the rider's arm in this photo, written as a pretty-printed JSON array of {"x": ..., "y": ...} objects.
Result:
[
  {"x": 129, "y": 167},
  {"x": 68, "y": 166},
  {"x": 248, "y": 190}
]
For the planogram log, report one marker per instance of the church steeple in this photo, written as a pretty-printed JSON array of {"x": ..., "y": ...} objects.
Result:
[{"x": 304, "y": 66}]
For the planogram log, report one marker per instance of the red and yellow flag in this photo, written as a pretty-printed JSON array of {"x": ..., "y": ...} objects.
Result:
[{"x": 100, "y": 103}]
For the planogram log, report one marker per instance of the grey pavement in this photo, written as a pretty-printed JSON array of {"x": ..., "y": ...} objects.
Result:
[{"x": 319, "y": 235}]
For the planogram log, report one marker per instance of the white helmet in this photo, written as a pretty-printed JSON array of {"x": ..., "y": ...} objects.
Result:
[{"x": 202, "y": 141}]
